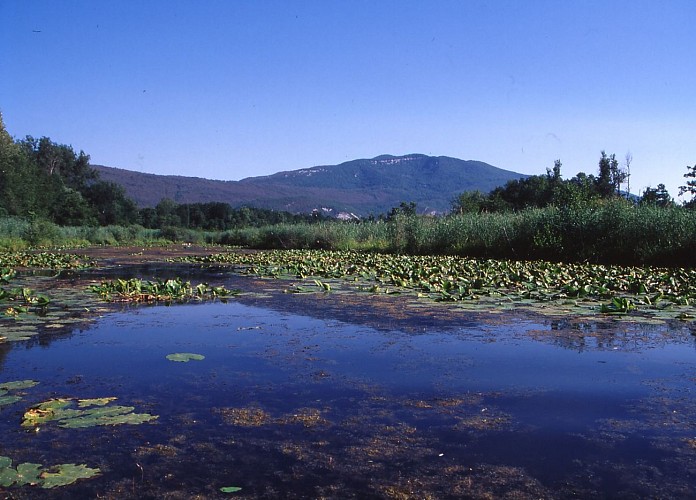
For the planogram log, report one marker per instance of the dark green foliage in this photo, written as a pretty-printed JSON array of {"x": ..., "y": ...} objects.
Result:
[
  {"x": 690, "y": 186},
  {"x": 173, "y": 219},
  {"x": 470, "y": 202},
  {"x": 658, "y": 196},
  {"x": 539, "y": 191},
  {"x": 110, "y": 203},
  {"x": 40, "y": 179}
]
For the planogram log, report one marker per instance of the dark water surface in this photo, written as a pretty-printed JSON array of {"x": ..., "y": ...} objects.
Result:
[{"x": 323, "y": 396}]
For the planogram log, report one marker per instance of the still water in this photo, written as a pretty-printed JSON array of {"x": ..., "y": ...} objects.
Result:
[{"x": 308, "y": 398}]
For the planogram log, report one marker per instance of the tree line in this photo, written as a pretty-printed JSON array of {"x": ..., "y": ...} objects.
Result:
[
  {"x": 40, "y": 179},
  {"x": 540, "y": 191}
]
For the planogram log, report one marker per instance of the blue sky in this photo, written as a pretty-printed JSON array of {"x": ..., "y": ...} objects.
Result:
[{"x": 232, "y": 89}]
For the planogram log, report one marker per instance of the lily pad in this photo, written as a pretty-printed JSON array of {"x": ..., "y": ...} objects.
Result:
[
  {"x": 8, "y": 400},
  {"x": 66, "y": 474},
  {"x": 185, "y": 357},
  {"x": 7, "y": 387},
  {"x": 28, "y": 473},
  {"x": 32, "y": 474},
  {"x": 84, "y": 403},
  {"x": 230, "y": 489},
  {"x": 12, "y": 332},
  {"x": 63, "y": 412},
  {"x": 8, "y": 476},
  {"x": 18, "y": 384}
]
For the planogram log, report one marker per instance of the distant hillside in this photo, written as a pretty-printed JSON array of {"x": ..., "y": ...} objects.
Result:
[{"x": 361, "y": 187}]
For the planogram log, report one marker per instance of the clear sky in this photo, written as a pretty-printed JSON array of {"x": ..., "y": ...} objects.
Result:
[{"x": 230, "y": 89}]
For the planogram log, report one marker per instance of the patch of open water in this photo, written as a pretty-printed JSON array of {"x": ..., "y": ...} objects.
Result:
[{"x": 289, "y": 405}]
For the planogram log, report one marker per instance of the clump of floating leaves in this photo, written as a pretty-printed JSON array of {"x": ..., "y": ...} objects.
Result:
[
  {"x": 8, "y": 391},
  {"x": 37, "y": 475},
  {"x": 22, "y": 301},
  {"x": 44, "y": 260},
  {"x": 19, "y": 300},
  {"x": 171, "y": 290},
  {"x": 79, "y": 413},
  {"x": 661, "y": 292}
]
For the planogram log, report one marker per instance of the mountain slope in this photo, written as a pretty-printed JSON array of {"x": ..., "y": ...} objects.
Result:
[{"x": 360, "y": 186}]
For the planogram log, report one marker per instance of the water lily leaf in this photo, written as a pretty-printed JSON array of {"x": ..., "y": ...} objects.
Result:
[
  {"x": 60, "y": 411},
  {"x": 67, "y": 474},
  {"x": 6, "y": 387},
  {"x": 116, "y": 415},
  {"x": 32, "y": 474},
  {"x": 84, "y": 403},
  {"x": 18, "y": 384},
  {"x": 44, "y": 412},
  {"x": 28, "y": 473},
  {"x": 8, "y": 476},
  {"x": 185, "y": 357},
  {"x": 230, "y": 489},
  {"x": 8, "y": 400}
]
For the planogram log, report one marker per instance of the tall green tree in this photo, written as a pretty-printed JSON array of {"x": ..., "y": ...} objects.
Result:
[
  {"x": 604, "y": 184},
  {"x": 470, "y": 202},
  {"x": 110, "y": 204},
  {"x": 60, "y": 160},
  {"x": 658, "y": 197},
  {"x": 690, "y": 186}
]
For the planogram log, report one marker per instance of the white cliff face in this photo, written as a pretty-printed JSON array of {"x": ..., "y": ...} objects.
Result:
[
  {"x": 307, "y": 172},
  {"x": 392, "y": 161},
  {"x": 347, "y": 216}
]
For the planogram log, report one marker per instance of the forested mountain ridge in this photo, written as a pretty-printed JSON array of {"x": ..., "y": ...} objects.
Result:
[{"x": 362, "y": 187}]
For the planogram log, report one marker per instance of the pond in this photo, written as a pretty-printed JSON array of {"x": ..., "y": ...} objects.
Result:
[{"x": 347, "y": 396}]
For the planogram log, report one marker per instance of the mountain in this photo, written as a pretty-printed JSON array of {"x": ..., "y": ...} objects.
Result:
[{"x": 361, "y": 187}]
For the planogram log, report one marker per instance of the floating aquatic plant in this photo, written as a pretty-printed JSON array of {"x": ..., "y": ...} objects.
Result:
[
  {"x": 7, "y": 387},
  {"x": 79, "y": 413},
  {"x": 64, "y": 474},
  {"x": 44, "y": 260},
  {"x": 14, "y": 332},
  {"x": 171, "y": 290},
  {"x": 35, "y": 474},
  {"x": 472, "y": 281},
  {"x": 185, "y": 357},
  {"x": 230, "y": 489},
  {"x": 22, "y": 300}
]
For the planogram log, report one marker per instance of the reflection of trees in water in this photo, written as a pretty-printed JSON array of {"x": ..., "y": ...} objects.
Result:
[{"x": 579, "y": 335}]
